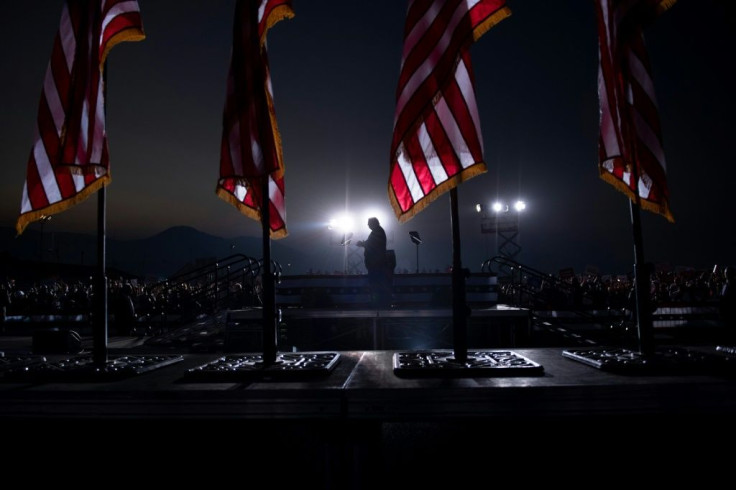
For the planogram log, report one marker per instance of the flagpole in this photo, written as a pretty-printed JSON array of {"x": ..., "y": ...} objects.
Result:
[
  {"x": 99, "y": 328},
  {"x": 269, "y": 291},
  {"x": 99, "y": 332},
  {"x": 645, "y": 328},
  {"x": 459, "y": 306},
  {"x": 644, "y": 323}
]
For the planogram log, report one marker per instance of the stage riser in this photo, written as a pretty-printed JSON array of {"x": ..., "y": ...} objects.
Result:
[
  {"x": 377, "y": 330},
  {"x": 408, "y": 290}
]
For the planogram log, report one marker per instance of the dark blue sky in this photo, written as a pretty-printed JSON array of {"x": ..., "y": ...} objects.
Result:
[{"x": 334, "y": 69}]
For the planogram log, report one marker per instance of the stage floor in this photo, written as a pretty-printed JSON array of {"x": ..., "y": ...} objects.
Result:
[{"x": 363, "y": 426}]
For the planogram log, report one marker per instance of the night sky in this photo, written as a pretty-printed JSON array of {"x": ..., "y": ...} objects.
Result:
[{"x": 335, "y": 68}]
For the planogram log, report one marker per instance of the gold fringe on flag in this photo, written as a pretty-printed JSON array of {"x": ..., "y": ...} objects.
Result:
[
  {"x": 451, "y": 183},
  {"x": 27, "y": 218},
  {"x": 491, "y": 21},
  {"x": 620, "y": 186},
  {"x": 252, "y": 213}
]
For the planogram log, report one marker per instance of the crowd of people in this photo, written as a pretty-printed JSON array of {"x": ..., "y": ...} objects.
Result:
[
  {"x": 594, "y": 291},
  {"x": 131, "y": 304}
]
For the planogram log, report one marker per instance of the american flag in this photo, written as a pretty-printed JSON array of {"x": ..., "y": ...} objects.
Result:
[
  {"x": 631, "y": 155},
  {"x": 437, "y": 142},
  {"x": 251, "y": 145},
  {"x": 69, "y": 159}
]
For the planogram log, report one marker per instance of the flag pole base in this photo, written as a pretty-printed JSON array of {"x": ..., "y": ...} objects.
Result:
[
  {"x": 87, "y": 369},
  {"x": 444, "y": 364},
  {"x": 288, "y": 366},
  {"x": 15, "y": 362},
  {"x": 663, "y": 361}
]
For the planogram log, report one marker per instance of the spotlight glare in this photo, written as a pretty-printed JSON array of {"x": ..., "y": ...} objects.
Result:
[
  {"x": 520, "y": 206},
  {"x": 497, "y": 207},
  {"x": 342, "y": 223}
]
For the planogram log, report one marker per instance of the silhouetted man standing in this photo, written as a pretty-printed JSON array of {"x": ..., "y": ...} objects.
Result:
[{"x": 375, "y": 262}]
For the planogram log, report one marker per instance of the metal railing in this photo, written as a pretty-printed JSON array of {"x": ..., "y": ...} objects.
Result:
[
  {"x": 232, "y": 282},
  {"x": 531, "y": 288}
]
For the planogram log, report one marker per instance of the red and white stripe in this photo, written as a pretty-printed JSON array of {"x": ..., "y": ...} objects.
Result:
[
  {"x": 631, "y": 155},
  {"x": 251, "y": 145},
  {"x": 437, "y": 142},
  {"x": 69, "y": 159}
]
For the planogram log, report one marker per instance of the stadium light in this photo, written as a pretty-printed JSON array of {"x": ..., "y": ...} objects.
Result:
[
  {"x": 504, "y": 223},
  {"x": 342, "y": 223}
]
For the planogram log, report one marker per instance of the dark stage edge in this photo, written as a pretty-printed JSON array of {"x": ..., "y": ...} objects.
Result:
[
  {"x": 11, "y": 363},
  {"x": 83, "y": 368},
  {"x": 249, "y": 366},
  {"x": 664, "y": 361},
  {"x": 487, "y": 363}
]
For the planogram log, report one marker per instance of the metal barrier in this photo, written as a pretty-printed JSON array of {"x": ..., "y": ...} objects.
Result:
[{"x": 231, "y": 282}]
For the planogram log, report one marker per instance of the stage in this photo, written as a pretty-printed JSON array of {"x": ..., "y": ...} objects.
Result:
[
  {"x": 377, "y": 329},
  {"x": 361, "y": 423}
]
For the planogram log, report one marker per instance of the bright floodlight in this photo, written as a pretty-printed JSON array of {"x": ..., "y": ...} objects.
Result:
[
  {"x": 342, "y": 223},
  {"x": 479, "y": 207},
  {"x": 497, "y": 207},
  {"x": 520, "y": 206}
]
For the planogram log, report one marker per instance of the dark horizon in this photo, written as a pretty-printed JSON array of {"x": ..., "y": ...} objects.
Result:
[{"x": 159, "y": 256}]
